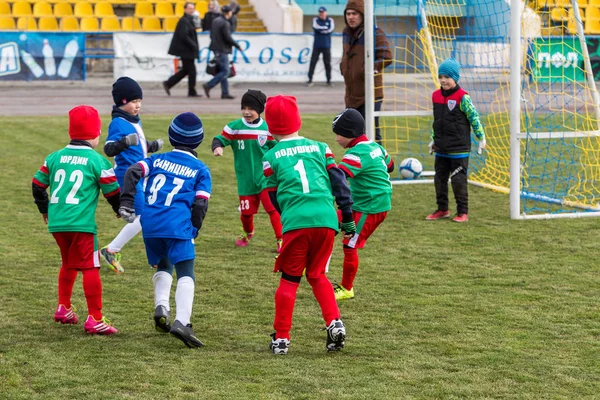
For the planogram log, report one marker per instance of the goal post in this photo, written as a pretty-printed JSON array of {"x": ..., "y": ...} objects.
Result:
[{"x": 527, "y": 68}]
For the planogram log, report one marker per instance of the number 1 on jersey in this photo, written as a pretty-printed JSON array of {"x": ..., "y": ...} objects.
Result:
[{"x": 300, "y": 168}]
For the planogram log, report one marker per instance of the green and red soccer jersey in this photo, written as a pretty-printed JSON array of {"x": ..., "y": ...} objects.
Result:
[
  {"x": 75, "y": 175},
  {"x": 297, "y": 168},
  {"x": 249, "y": 143},
  {"x": 366, "y": 165}
]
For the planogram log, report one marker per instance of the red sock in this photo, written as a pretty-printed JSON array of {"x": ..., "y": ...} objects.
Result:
[
  {"x": 66, "y": 280},
  {"x": 92, "y": 287},
  {"x": 276, "y": 223},
  {"x": 323, "y": 292},
  {"x": 285, "y": 297},
  {"x": 247, "y": 223},
  {"x": 350, "y": 267}
]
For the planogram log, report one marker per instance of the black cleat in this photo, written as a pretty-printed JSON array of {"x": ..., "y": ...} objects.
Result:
[
  {"x": 185, "y": 334},
  {"x": 279, "y": 346},
  {"x": 161, "y": 319},
  {"x": 336, "y": 335},
  {"x": 206, "y": 90},
  {"x": 167, "y": 88}
]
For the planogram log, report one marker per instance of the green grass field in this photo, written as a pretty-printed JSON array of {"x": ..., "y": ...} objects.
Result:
[{"x": 492, "y": 309}]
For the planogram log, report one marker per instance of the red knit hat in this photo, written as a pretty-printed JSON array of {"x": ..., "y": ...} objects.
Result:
[
  {"x": 84, "y": 123},
  {"x": 282, "y": 115}
]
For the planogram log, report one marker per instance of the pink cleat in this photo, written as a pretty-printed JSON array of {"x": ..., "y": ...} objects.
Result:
[
  {"x": 243, "y": 239},
  {"x": 439, "y": 214},
  {"x": 102, "y": 327},
  {"x": 461, "y": 218},
  {"x": 65, "y": 315}
]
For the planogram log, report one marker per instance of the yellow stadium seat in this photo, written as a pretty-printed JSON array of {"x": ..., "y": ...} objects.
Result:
[
  {"x": 143, "y": 9},
  {"x": 21, "y": 9},
  {"x": 110, "y": 23},
  {"x": 42, "y": 9},
  {"x": 170, "y": 23},
  {"x": 63, "y": 10},
  {"x": 103, "y": 9},
  {"x": 89, "y": 24},
  {"x": 47, "y": 24},
  {"x": 151, "y": 24},
  {"x": 69, "y": 23},
  {"x": 4, "y": 8},
  {"x": 26, "y": 24},
  {"x": 202, "y": 7},
  {"x": 594, "y": 2},
  {"x": 592, "y": 20},
  {"x": 83, "y": 9},
  {"x": 179, "y": 6},
  {"x": 121, "y": 1},
  {"x": 582, "y": 3},
  {"x": 131, "y": 24},
  {"x": 7, "y": 23},
  {"x": 163, "y": 9},
  {"x": 559, "y": 14}
]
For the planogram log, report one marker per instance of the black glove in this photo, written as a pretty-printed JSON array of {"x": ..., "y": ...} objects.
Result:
[{"x": 130, "y": 140}]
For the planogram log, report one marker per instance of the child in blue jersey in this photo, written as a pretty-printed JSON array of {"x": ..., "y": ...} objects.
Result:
[
  {"x": 176, "y": 200},
  {"x": 127, "y": 143}
]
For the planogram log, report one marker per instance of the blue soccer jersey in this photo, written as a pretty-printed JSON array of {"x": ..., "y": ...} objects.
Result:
[
  {"x": 118, "y": 128},
  {"x": 174, "y": 181}
]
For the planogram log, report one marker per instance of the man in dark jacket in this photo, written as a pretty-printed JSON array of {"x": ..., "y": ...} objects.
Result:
[
  {"x": 353, "y": 60},
  {"x": 221, "y": 43},
  {"x": 185, "y": 46},
  {"x": 214, "y": 10},
  {"x": 323, "y": 26}
]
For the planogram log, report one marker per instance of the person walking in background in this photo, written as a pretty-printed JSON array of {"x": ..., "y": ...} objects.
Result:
[
  {"x": 353, "y": 60},
  {"x": 235, "y": 9},
  {"x": 214, "y": 10},
  {"x": 323, "y": 26},
  {"x": 221, "y": 43},
  {"x": 185, "y": 46}
]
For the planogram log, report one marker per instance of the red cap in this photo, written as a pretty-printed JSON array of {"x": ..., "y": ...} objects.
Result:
[
  {"x": 84, "y": 123},
  {"x": 282, "y": 115}
]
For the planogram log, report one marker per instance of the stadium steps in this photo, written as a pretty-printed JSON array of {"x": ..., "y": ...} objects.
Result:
[{"x": 248, "y": 20}]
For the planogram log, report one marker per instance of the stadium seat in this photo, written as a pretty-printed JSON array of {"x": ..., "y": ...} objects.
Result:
[
  {"x": 103, "y": 9},
  {"x": 110, "y": 23},
  {"x": 179, "y": 8},
  {"x": 89, "y": 24},
  {"x": 562, "y": 3},
  {"x": 69, "y": 23},
  {"x": 163, "y": 9},
  {"x": 47, "y": 24},
  {"x": 131, "y": 24},
  {"x": 541, "y": 4},
  {"x": 170, "y": 23},
  {"x": 594, "y": 3},
  {"x": 143, "y": 9},
  {"x": 7, "y": 23},
  {"x": 151, "y": 24},
  {"x": 83, "y": 9},
  {"x": 559, "y": 15},
  {"x": 4, "y": 8},
  {"x": 26, "y": 24},
  {"x": 21, "y": 9},
  {"x": 42, "y": 9},
  {"x": 63, "y": 9},
  {"x": 202, "y": 7},
  {"x": 582, "y": 3},
  {"x": 592, "y": 20}
]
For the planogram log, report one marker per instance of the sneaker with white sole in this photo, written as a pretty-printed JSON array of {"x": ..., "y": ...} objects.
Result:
[
  {"x": 336, "y": 335},
  {"x": 65, "y": 315},
  {"x": 279, "y": 346},
  {"x": 99, "y": 327}
]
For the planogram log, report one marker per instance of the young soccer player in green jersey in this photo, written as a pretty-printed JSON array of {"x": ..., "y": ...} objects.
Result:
[
  {"x": 367, "y": 166},
  {"x": 75, "y": 176},
  {"x": 303, "y": 180},
  {"x": 250, "y": 139}
]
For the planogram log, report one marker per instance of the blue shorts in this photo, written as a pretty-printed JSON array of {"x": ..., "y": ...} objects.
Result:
[
  {"x": 138, "y": 200},
  {"x": 175, "y": 250}
]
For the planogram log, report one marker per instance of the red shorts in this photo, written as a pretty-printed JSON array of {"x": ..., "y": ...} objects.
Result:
[
  {"x": 308, "y": 248},
  {"x": 365, "y": 226},
  {"x": 78, "y": 250},
  {"x": 249, "y": 204}
]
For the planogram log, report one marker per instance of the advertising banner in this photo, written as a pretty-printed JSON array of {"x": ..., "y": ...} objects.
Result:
[
  {"x": 557, "y": 60},
  {"x": 264, "y": 57},
  {"x": 42, "y": 56}
]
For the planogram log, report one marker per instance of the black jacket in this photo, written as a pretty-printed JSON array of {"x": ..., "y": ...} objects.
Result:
[
  {"x": 208, "y": 19},
  {"x": 220, "y": 36},
  {"x": 185, "y": 40},
  {"x": 451, "y": 128}
]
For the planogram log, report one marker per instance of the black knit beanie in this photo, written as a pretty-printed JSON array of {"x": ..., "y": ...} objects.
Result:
[
  {"x": 255, "y": 99},
  {"x": 125, "y": 90},
  {"x": 349, "y": 123}
]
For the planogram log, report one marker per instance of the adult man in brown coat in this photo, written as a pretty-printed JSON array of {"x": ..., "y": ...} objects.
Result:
[{"x": 353, "y": 60}]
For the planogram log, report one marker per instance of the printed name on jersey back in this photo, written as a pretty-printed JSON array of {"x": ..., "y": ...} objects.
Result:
[
  {"x": 171, "y": 167},
  {"x": 292, "y": 151},
  {"x": 73, "y": 160},
  {"x": 376, "y": 153}
]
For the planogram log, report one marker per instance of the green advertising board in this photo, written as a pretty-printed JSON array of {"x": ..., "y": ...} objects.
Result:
[{"x": 557, "y": 60}]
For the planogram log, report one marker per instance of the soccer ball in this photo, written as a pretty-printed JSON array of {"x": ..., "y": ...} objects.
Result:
[{"x": 410, "y": 168}]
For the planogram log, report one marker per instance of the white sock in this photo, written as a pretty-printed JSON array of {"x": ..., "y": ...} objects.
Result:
[
  {"x": 184, "y": 299},
  {"x": 126, "y": 234},
  {"x": 162, "y": 289}
]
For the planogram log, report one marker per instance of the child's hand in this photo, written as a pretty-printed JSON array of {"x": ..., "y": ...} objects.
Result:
[
  {"x": 431, "y": 147},
  {"x": 160, "y": 143},
  {"x": 45, "y": 218},
  {"x": 127, "y": 213},
  {"x": 349, "y": 229},
  {"x": 481, "y": 147},
  {"x": 218, "y": 152}
]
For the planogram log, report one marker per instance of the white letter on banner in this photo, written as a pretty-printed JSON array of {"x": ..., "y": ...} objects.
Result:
[{"x": 9, "y": 59}]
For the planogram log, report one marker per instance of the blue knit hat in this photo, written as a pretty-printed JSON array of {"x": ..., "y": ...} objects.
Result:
[
  {"x": 450, "y": 67},
  {"x": 125, "y": 90},
  {"x": 186, "y": 130}
]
